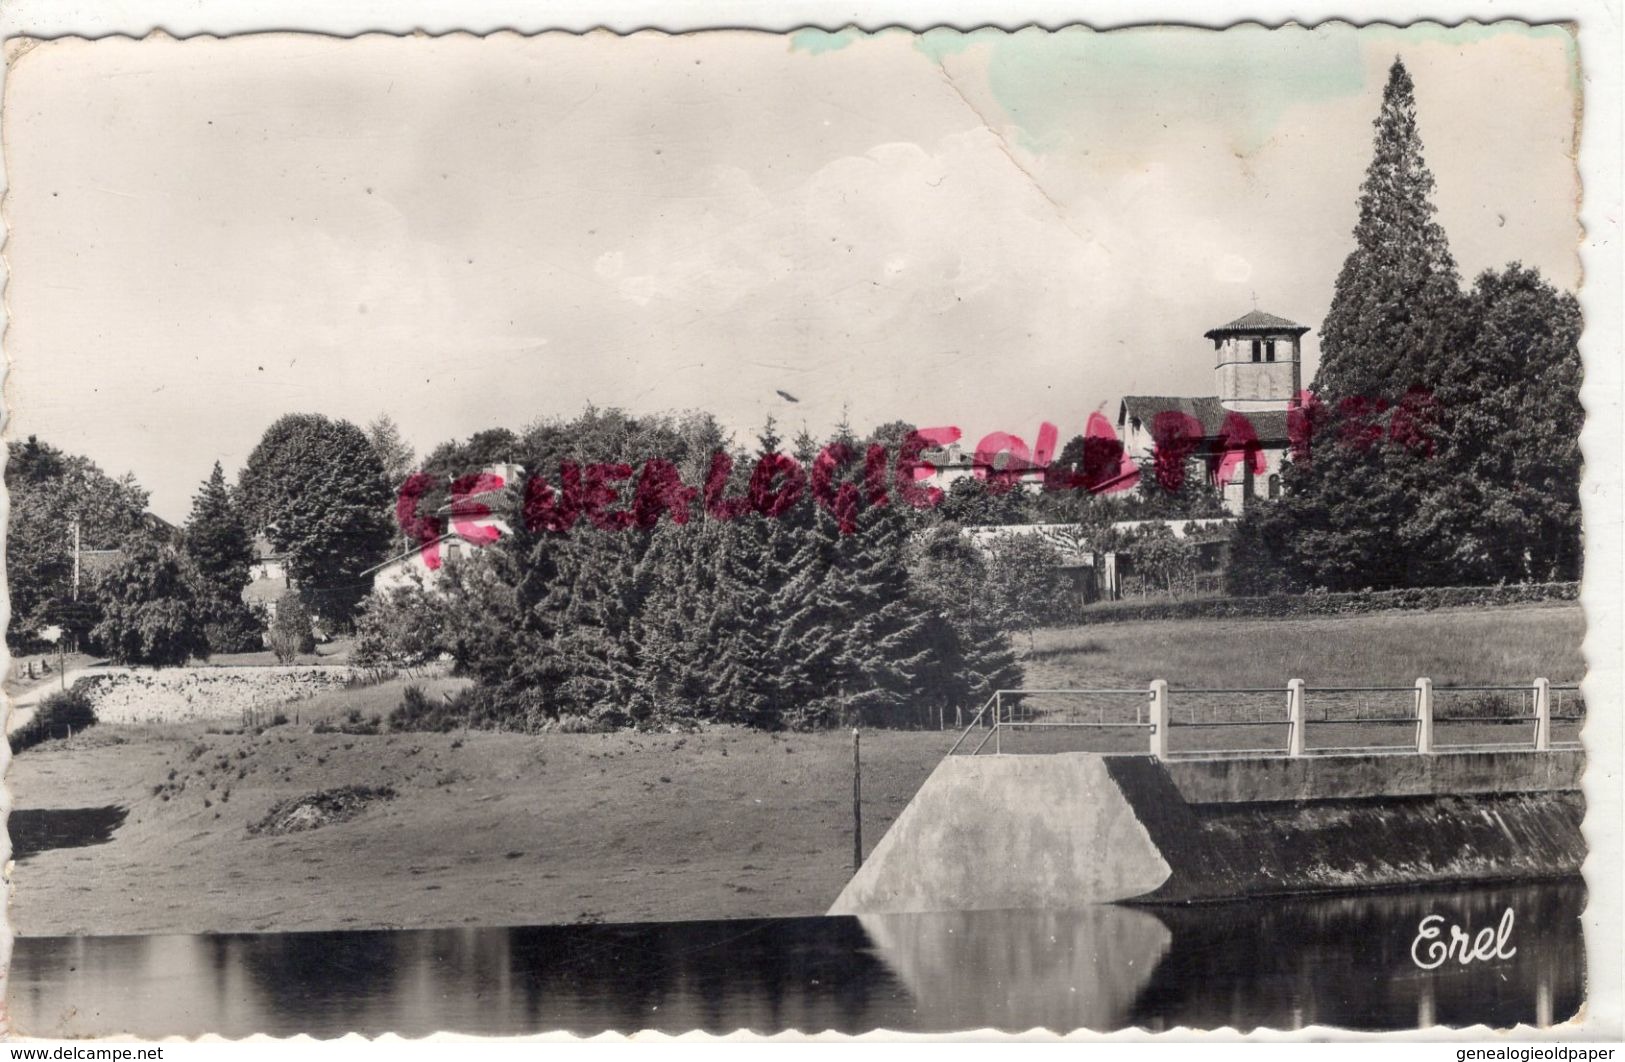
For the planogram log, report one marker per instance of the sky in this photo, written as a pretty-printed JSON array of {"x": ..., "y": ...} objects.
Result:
[{"x": 984, "y": 230}]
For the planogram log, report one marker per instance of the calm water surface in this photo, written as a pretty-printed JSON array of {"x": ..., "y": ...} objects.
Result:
[{"x": 1282, "y": 963}]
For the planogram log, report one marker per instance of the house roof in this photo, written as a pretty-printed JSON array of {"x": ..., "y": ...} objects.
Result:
[
  {"x": 499, "y": 499},
  {"x": 405, "y": 555},
  {"x": 263, "y": 550},
  {"x": 160, "y": 528},
  {"x": 1256, "y": 322},
  {"x": 1270, "y": 424}
]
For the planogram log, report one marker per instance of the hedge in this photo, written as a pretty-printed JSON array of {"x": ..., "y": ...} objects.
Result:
[
  {"x": 59, "y": 715},
  {"x": 1286, "y": 605}
]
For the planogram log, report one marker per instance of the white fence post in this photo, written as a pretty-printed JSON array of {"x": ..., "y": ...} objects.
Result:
[
  {"x": 1159, "y": 719},
  {"x": 1543, "y": 714},
  {"x": 1294, "y": 712},
  {"x": 1424, "y": 716},
  {"x": 998, "y": 714}
]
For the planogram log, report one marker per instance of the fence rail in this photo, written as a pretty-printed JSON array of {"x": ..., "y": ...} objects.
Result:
[{"x": 1312, "y": 720}]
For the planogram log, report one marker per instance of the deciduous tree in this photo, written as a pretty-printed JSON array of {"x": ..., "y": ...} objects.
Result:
[
  {"x": 150, "y": 614},
  {"x": 317, "y": 490}
]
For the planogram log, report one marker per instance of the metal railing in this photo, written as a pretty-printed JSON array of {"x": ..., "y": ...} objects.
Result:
[
  {"x": 1027, "y": 709},
  {"x": 1306, "y": 721}
]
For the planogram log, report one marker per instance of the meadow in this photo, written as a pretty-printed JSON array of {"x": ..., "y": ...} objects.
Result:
[{"x": 1473, "y": 647}]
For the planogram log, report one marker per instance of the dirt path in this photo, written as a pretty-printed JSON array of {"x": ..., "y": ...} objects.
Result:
[{"x": 484, "y": 829}]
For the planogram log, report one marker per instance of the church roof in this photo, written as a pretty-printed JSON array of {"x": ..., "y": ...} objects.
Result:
[
  {"x": 1270, "y": 424},
  {"x": 1256, "y": 321}
]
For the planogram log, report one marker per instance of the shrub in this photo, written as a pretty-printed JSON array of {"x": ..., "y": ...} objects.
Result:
[
  {"x": 1026, "y": 584},
  {"x": 234, "y": 630},
  {"x": 476, "y": 707},
  {"x": 291, "y": 630},
  {"x": 353, "y": 722},
  {"x": 399, "y": 628},
  {"x": 1256, "y": 546},
  {"x": 58, "y": 715},
  {"x": 322, "y": 808},
  {"x": 584, "y": 724}
]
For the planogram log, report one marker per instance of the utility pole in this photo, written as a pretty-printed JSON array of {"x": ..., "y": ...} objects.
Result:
[
  {"x": 75, "y": 636},
  {"x": 857, "y": 805}
]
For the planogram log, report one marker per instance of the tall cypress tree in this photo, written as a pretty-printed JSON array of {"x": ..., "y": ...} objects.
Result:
[
  {"x": 1397, "y": 294},
  {"x": 1351, "y": 511}
]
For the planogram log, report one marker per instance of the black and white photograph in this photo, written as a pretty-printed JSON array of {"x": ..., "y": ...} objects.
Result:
[{"x": 824, "y": 531}]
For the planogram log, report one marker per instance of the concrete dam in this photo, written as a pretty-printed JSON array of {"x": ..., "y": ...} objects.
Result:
[{"x": 1068, "y": 830}]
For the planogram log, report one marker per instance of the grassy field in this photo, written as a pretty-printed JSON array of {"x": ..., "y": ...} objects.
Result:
[
  {"x": 1450, "y": 646},
  {"x": 492, "y": 829},
  {"x": 1453, "y": 647}
]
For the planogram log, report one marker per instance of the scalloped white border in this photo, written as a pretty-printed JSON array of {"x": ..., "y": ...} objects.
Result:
[{"x": 1599, "y": 28}]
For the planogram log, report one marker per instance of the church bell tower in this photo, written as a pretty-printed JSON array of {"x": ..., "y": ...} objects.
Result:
[{"x": 1258, "y": 362}]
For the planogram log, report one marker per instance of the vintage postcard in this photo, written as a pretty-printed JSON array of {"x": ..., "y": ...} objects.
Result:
[{"x": 1066, "y": 529}]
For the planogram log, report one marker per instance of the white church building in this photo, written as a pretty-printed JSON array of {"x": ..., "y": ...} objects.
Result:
[{"x": 1243, "y": 428}]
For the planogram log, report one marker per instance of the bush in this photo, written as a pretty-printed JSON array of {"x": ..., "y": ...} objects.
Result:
[
  {"x": 1256, "y": 546},
  {"x": 291, "y": 630},
  {"x": 476, "y": 707},
  {"x": 1026, "y": 585},
  {"x": 235, "y": 630},
  {"x": 399, "y": 628},
  {"x": 352, "y": 722},
  {"x": 58, "y": 715}
]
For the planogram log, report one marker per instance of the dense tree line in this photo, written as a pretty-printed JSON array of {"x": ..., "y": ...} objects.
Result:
[
  {"x": 1441, "y": 443},
  {"x": 804, "y": 617},
  {"x": 50, "y": 491}
]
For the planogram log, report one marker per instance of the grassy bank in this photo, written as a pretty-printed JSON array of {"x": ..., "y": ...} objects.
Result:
[{"x": 486, "y": 829}]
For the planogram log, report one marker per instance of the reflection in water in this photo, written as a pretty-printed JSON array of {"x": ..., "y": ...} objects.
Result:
[
  {"x": 34, "y": 830},
  {"x": 1022, "y": 969},
  {"x": 1346, "y": 961},
  {"x": 1274, "y": 962}
]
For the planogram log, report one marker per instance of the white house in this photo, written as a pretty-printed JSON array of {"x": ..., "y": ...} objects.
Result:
[{"x": 472, "y": 521}]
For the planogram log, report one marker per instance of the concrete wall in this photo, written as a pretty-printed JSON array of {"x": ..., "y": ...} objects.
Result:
[
  {"x": 1269, "y": 780},
  {"x": 175, "y": 694},
  {"x": 1067, "y": 830},
  {"x": 1009, "y": 832},
  {"x": 1229, "y": 851}
]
